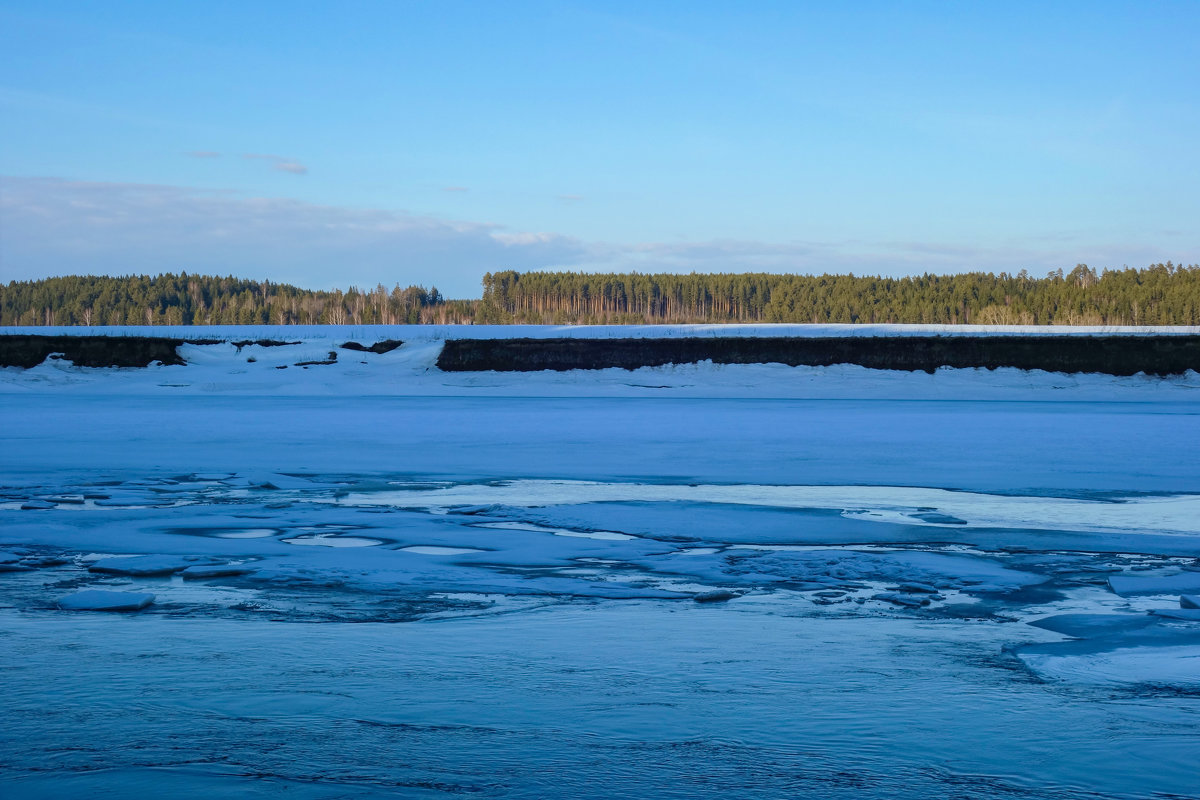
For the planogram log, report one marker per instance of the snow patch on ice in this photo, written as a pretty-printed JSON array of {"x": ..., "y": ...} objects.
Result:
[
  {"x": 1175, "y": 514},
  {"x": 610, "y": 536},
  {"x": 434, "y": 550},
  {"x": 332, "y": 540},
  {"x": 246, "y": 533}
]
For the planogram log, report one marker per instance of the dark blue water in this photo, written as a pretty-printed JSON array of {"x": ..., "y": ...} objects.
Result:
[{"x": 632, "y": 700}]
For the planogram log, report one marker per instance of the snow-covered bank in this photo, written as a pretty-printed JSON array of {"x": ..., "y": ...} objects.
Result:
[
  {"x": 528, "y": 348},
  {"x": 314, "y": 362}
]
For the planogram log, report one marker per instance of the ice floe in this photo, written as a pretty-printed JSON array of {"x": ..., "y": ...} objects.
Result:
[
  {"x": 1178, "y": 583},
  {"x": 101, "y": 600},
  {"x": 1152, "y": 656},
  {"x": 911, "y": 505},
  {"x": 141, "y": 566},
  {"x": 36, "y": 505},
  {"x": 433, "y": 550},
  {"x": 332, "y": 540},
  {"x": 1088, "y": 626},
  {"x": 246, "y": 533}
]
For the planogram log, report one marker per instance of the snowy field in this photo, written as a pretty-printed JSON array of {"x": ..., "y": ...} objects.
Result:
[{"x": 370, "y": 578}]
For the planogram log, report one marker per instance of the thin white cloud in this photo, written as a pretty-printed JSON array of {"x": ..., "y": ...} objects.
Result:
[
  {"x": 519, "y": 239},
  {"x": 887, "y": 258},
  {"x": 280, "y": 163},
  {"x": 58, "y": 227}
]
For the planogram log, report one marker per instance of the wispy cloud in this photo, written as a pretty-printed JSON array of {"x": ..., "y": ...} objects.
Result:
[
  {"x": 280, "y": 163},
  {"x": 524, "y": 239},
  {"x": 56, "y": 227},
  {"x": 877, "y": 257}
]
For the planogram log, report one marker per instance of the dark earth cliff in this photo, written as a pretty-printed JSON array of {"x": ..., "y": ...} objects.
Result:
[
  {"x": 1112, "y": 354},
  {"x": 1116, "y": 355}
]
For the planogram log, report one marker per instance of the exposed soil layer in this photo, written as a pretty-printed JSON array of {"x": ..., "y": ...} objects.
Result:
[
  {"x": 27, "y": 350},
  {"x": 1111, "y": 354},
  {"x": 331, "y": 360},
  {"x": 386, "y": 346},
  {"x": 1114, "y": 355},
  {"x": 92, "y": 351},
  {"x": 260, "y": 342}
]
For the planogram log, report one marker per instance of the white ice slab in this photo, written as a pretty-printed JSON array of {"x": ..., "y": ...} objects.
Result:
[
  {"x": 332, "y": 540},
  {"x": 101, "y": 600},
  {"x": 141, "y": 565},
  {"x": 433, "y": 550},
  {"x": 1167, "y": 666},
  {"x": 1087, "y": 626},
  {"x": 1178, "y": 514},
  {"x": 1155, "y": 584}
]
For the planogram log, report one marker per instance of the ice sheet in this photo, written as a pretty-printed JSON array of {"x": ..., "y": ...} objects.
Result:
[
  {"x": 1163, "y": 515},
  {"x": 886, "y": 535}
]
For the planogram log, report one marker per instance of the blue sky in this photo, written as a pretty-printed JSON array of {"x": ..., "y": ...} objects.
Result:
[{"x": 327, "y": 144}]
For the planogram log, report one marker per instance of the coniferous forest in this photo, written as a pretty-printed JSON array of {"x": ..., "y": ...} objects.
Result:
[
  {"x": 1161, "y": 294},
  {"x": 205, "y": 300}
]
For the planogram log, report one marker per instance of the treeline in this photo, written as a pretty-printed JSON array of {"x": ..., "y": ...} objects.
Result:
[
  {"x": 1162, "y": 294},
  {"x": 205, "y": 300}
]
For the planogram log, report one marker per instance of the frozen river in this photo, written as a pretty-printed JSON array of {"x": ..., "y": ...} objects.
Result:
[{"x": 487, "y": 586}]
